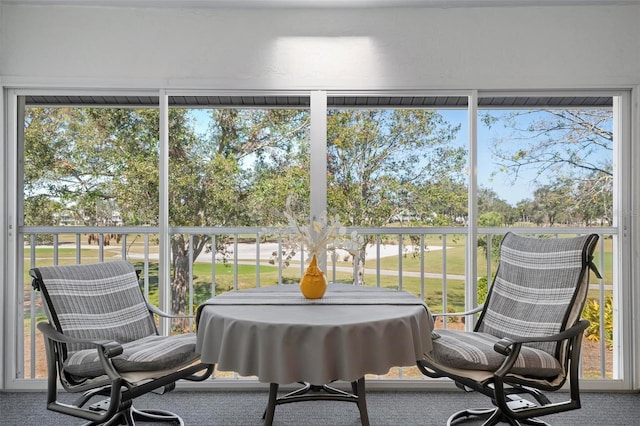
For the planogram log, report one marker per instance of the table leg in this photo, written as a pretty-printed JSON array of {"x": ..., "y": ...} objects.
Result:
[
  {"x": 331, "y": 394},
  {"x": 271, "y": 405},
  {"x": 359, "y": 391}
]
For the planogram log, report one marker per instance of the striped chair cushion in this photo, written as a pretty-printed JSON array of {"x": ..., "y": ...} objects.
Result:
[
  {"x": 474, "y": 351},
  {"x": 535, "y": 287},
  {"x": 150, "y": 353},
  {"x": 97, "y": 301}
]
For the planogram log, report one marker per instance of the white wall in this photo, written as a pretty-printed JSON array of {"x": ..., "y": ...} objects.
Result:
[{"x": 413, "y": 48}]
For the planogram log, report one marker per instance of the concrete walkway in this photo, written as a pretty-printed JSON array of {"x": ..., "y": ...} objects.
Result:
[{"x": 249, "y": 251}]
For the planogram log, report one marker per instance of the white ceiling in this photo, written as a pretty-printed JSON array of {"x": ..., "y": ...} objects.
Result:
[{"x": 320, "y": 3}]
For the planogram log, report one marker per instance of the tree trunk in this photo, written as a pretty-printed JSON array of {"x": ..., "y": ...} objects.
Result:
[
  {"x": 358, "y": 279},
  {"x": 180, "y": 281}
]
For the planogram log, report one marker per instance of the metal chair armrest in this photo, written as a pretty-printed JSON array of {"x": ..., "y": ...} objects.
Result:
[
  {"x": 163, "y": 314},
  {"x": 459, "y": 314},
  {"x": 109, "y": 348},
  {"x": 504, "y": 345},
  {"x": 511, "y": 347}
]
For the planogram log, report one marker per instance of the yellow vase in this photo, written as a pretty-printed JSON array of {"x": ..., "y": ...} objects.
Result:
[{"x": 313, "y": 283}]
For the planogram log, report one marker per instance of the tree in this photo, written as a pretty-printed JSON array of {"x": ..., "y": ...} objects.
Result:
[
  {"x": 490, "y": 202},
  {"x": 240, "y": 172},
  {"x": 214, "y": 177},
  {"x": 553, "y": 200},
  {"x": 441, "y": 203},
  {"x": 90, "y": 158},
  {"x": 491, "y": 219},
  {"x": 595, "y": 199},
  {"x": 271, "y": 149},
  {"x": 40, "y": 210},
  {"x": 68, "y": 159},
  {"x": 129, "y": 163},
  {"x": 563, "y": 147},
  {"x": 379, "y": 160},
  {"x": 525, "y": 209}
]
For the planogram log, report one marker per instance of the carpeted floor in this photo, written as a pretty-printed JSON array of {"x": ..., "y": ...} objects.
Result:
[{"x": 209, "y": 408}]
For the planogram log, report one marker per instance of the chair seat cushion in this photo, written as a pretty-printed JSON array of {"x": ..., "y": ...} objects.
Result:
[
  {"x": 474, "y": 351},
  {"x": 150, "y": 353}
]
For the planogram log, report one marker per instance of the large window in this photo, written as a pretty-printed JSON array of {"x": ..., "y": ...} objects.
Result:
[
  {"x": 393, "y": 169},
  {"x": 549, "y": 166},
  {"x": 546, "y": 166},
  {"x": 192, "y": 189},
  {"x": 90, "y": 166},
  {"x": 233, "y": 167}
]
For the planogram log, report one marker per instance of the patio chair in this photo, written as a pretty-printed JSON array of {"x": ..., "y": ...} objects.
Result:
[
  {"x": 101, "y": 339},
  {"x": 527, "y": 338}
]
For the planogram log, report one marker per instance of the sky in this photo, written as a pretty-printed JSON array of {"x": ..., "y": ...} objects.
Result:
[{"x": 501, "y": 184}]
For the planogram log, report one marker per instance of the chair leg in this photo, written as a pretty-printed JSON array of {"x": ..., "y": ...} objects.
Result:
[
  {"x": 534, "y": 421},
  {"x": 483, "y": 413},
  {"x": 154, "y": 415},
  {"x": 494, "y": 416},
  {"x": 130, "y": 416}
]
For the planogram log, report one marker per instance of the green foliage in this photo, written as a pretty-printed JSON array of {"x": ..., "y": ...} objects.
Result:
[
  {"x": 440, "y": 203},
  {"x": 381, "y": 163},
  {"x": 552, "y": 202},
  {"x": 491, "y": 219},
  {"x": 270, "y": 151},
  {"x": 593, "y": 312},
  {"x": 385, "y": 164},
  {"x": 41, "y": 210},
  {"x": 86, "y": 158},
  {"x": 483, "y": 290},
  {"x": 493, "y": 210},
  {"x": 494, "y": 219}
]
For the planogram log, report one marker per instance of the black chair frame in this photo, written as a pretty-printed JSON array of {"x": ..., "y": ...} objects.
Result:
[
  {"x": 505, "y": 388},
  {"x": 117, "y": 407}
]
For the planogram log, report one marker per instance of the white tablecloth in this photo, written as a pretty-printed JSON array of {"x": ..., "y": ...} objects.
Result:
[{"x": 276, "y": 334}]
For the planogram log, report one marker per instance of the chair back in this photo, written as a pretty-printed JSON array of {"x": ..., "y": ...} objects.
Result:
[
  {"x": 101, "y": 301},
  {"x": 539, "y": 289}
]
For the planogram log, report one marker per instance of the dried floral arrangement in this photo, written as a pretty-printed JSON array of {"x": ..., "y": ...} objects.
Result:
[{"x": 324, "y": 233}]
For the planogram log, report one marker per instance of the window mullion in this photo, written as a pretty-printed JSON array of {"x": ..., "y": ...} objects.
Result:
[
  {"x": 318, "y": 159},
  {"x": 164, "y": 278},
  {"x": 471, "y": 291}
]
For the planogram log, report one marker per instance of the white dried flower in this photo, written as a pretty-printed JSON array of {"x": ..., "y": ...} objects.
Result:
[{"x": 325, "y": 233}]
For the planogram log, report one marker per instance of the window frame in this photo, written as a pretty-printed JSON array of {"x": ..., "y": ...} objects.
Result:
[{"x": 625, "y": 203}]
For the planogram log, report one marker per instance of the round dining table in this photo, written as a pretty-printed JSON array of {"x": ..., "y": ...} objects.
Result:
[{"x": 277, "y": 335}]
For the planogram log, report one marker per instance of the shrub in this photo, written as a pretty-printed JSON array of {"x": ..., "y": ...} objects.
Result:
[
  {"x": 592, "y": 312},
  {"x": 483, "y": 289}
]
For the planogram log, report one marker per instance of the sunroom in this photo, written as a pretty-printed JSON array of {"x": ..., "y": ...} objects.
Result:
[{"x": 179, "y": 150}]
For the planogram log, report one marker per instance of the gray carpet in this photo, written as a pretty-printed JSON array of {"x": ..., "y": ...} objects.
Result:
[{"x": 209, "y": 408}]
